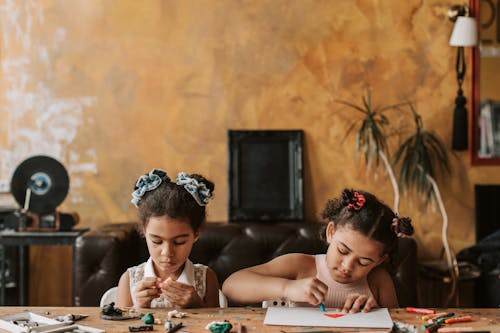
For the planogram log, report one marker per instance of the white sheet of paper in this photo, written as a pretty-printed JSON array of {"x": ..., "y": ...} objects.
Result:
[{"x": 303, "y": 316}]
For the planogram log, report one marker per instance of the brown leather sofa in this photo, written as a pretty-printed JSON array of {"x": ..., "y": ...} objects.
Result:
[{"x": 103, "y": 254}]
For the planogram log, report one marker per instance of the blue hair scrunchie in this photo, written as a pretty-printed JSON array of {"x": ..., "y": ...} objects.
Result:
[
  {"x": 198, "y": 190},
  {"x": 147, "y": 183}
]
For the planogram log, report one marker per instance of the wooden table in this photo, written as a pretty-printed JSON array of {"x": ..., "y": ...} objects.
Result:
[{"x": 251, "y": 318}]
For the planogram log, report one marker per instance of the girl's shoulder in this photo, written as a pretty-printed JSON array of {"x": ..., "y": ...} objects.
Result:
[
  {"x": 137, "y": 268},
  {"x": 303, "y": 265},
  {"x": 136, "y": 273},
  {"x": 295, "y": 258},
  {"x": 200, "y": 266}
]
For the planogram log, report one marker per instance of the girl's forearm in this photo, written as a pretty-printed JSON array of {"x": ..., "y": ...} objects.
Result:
[{"x": 248, "y": 287}]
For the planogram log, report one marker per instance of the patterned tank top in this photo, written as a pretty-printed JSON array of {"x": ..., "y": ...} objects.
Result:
[{"x": 193, "y": 274}]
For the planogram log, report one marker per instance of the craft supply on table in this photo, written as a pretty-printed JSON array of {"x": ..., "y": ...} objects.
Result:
[
  {"x": 148, "y": 318},
  {"x": 443, "y": 323},
  {"x": 454, "y": 320},
  {"x": 399, "y": 327},
  {"x": 174, "y": 327},
  {"x": 425, "y": 326},
  {"x": 110, "y": 312},
  {"x": 219, "y": 326},
  {"x": 70, "y": 318},
  {"x": 460, "y": 330},
  {"x": 420, "y": 310},
  {"x": 455, "y": 329},
  {"x": 431, "y": 328},
  {"x": 141, "y": 328},
  {"x": 176, "y": 313},
  {"x": 442, "y": 318},
  {"x": 309, "y": 316},
  {"x": 432, "y": 316}
]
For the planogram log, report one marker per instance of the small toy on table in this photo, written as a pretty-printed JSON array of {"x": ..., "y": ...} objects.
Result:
[
  {"x": 110, "y": 312},
  {"x": 219, "y": 327},
  {"x": 148, "y": 318}
]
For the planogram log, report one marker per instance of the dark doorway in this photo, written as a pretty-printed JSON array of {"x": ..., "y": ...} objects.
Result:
[{"x": 487, "y": 198}]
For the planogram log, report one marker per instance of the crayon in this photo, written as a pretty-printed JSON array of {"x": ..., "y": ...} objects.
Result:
[
  {"x": 420, "y": 310},
  {"x": 454, "y": 329},
  {"x": 441, "y": 319},
  {"x": 458, "y": 320},
  {"x": 467, "y": 331},
  {"x": 432, "y": 328},
  {"x": 322, "y": 307},
  {"x": 424, "y": 326},
  {"x": 432, "y": 316}
]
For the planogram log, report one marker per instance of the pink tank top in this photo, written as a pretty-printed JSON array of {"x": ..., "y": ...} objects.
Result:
[{"x": 337, "y": 292}]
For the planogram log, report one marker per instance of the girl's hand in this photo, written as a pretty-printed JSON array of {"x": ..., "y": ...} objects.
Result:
[
  {"x": 310, "y": 290},
  {"x": 358, "y": 302},
  {"x": 145, "y": 291},
  {"x": 181, "y": 294}
]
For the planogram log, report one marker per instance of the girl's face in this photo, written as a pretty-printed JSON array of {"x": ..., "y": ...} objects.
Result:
[
  {"x": 169, "y": 243},
  {"x": 351, "y": 255}
]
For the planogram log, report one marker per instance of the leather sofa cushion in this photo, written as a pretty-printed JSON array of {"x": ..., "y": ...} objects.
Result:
[{"x": 103, "y": 254}]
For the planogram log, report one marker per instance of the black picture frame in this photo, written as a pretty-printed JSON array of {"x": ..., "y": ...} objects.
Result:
[{"x": 265, "y": 175}]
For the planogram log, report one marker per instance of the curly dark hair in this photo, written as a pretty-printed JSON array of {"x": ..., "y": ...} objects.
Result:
[
  {"x": 174, "y": 201},
  {"x": 363, "y": 212}
]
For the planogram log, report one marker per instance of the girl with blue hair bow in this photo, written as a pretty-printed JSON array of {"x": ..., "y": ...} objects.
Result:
[{"x": 171, "y": 216}]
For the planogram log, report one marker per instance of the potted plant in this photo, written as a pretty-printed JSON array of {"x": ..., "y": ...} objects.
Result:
[
  {"x": 421, "y": 158},
  {"x": 372, "y": 136}
]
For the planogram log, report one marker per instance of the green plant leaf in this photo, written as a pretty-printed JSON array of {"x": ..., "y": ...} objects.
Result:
[{"x": 422, "y": 154}]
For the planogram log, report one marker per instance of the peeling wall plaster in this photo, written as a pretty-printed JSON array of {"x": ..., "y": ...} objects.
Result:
[{"x": 37, "y": 121}]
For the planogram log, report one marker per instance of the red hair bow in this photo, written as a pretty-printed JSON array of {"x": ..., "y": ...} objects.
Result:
[{"x": 357, "y": 202}]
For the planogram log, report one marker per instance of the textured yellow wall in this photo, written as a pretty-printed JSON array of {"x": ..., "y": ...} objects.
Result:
[{"x": 115, "y": 88}]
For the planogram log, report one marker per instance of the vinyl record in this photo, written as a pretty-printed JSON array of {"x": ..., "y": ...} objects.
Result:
[{"x": 48, "y": 180}]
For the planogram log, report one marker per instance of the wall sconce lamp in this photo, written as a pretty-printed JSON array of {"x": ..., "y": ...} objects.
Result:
[{"x": 464, "y": 34}]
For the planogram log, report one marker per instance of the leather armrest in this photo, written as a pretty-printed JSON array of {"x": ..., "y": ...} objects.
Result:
[
  {"x": 102, "y": 255},
  {"x": 405, "y": 276}
]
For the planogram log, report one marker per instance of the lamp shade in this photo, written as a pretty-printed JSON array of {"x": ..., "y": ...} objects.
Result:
[{"x": 464, "y": 32}]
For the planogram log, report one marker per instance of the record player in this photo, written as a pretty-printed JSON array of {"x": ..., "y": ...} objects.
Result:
[{"x": 39, "y": 184}]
